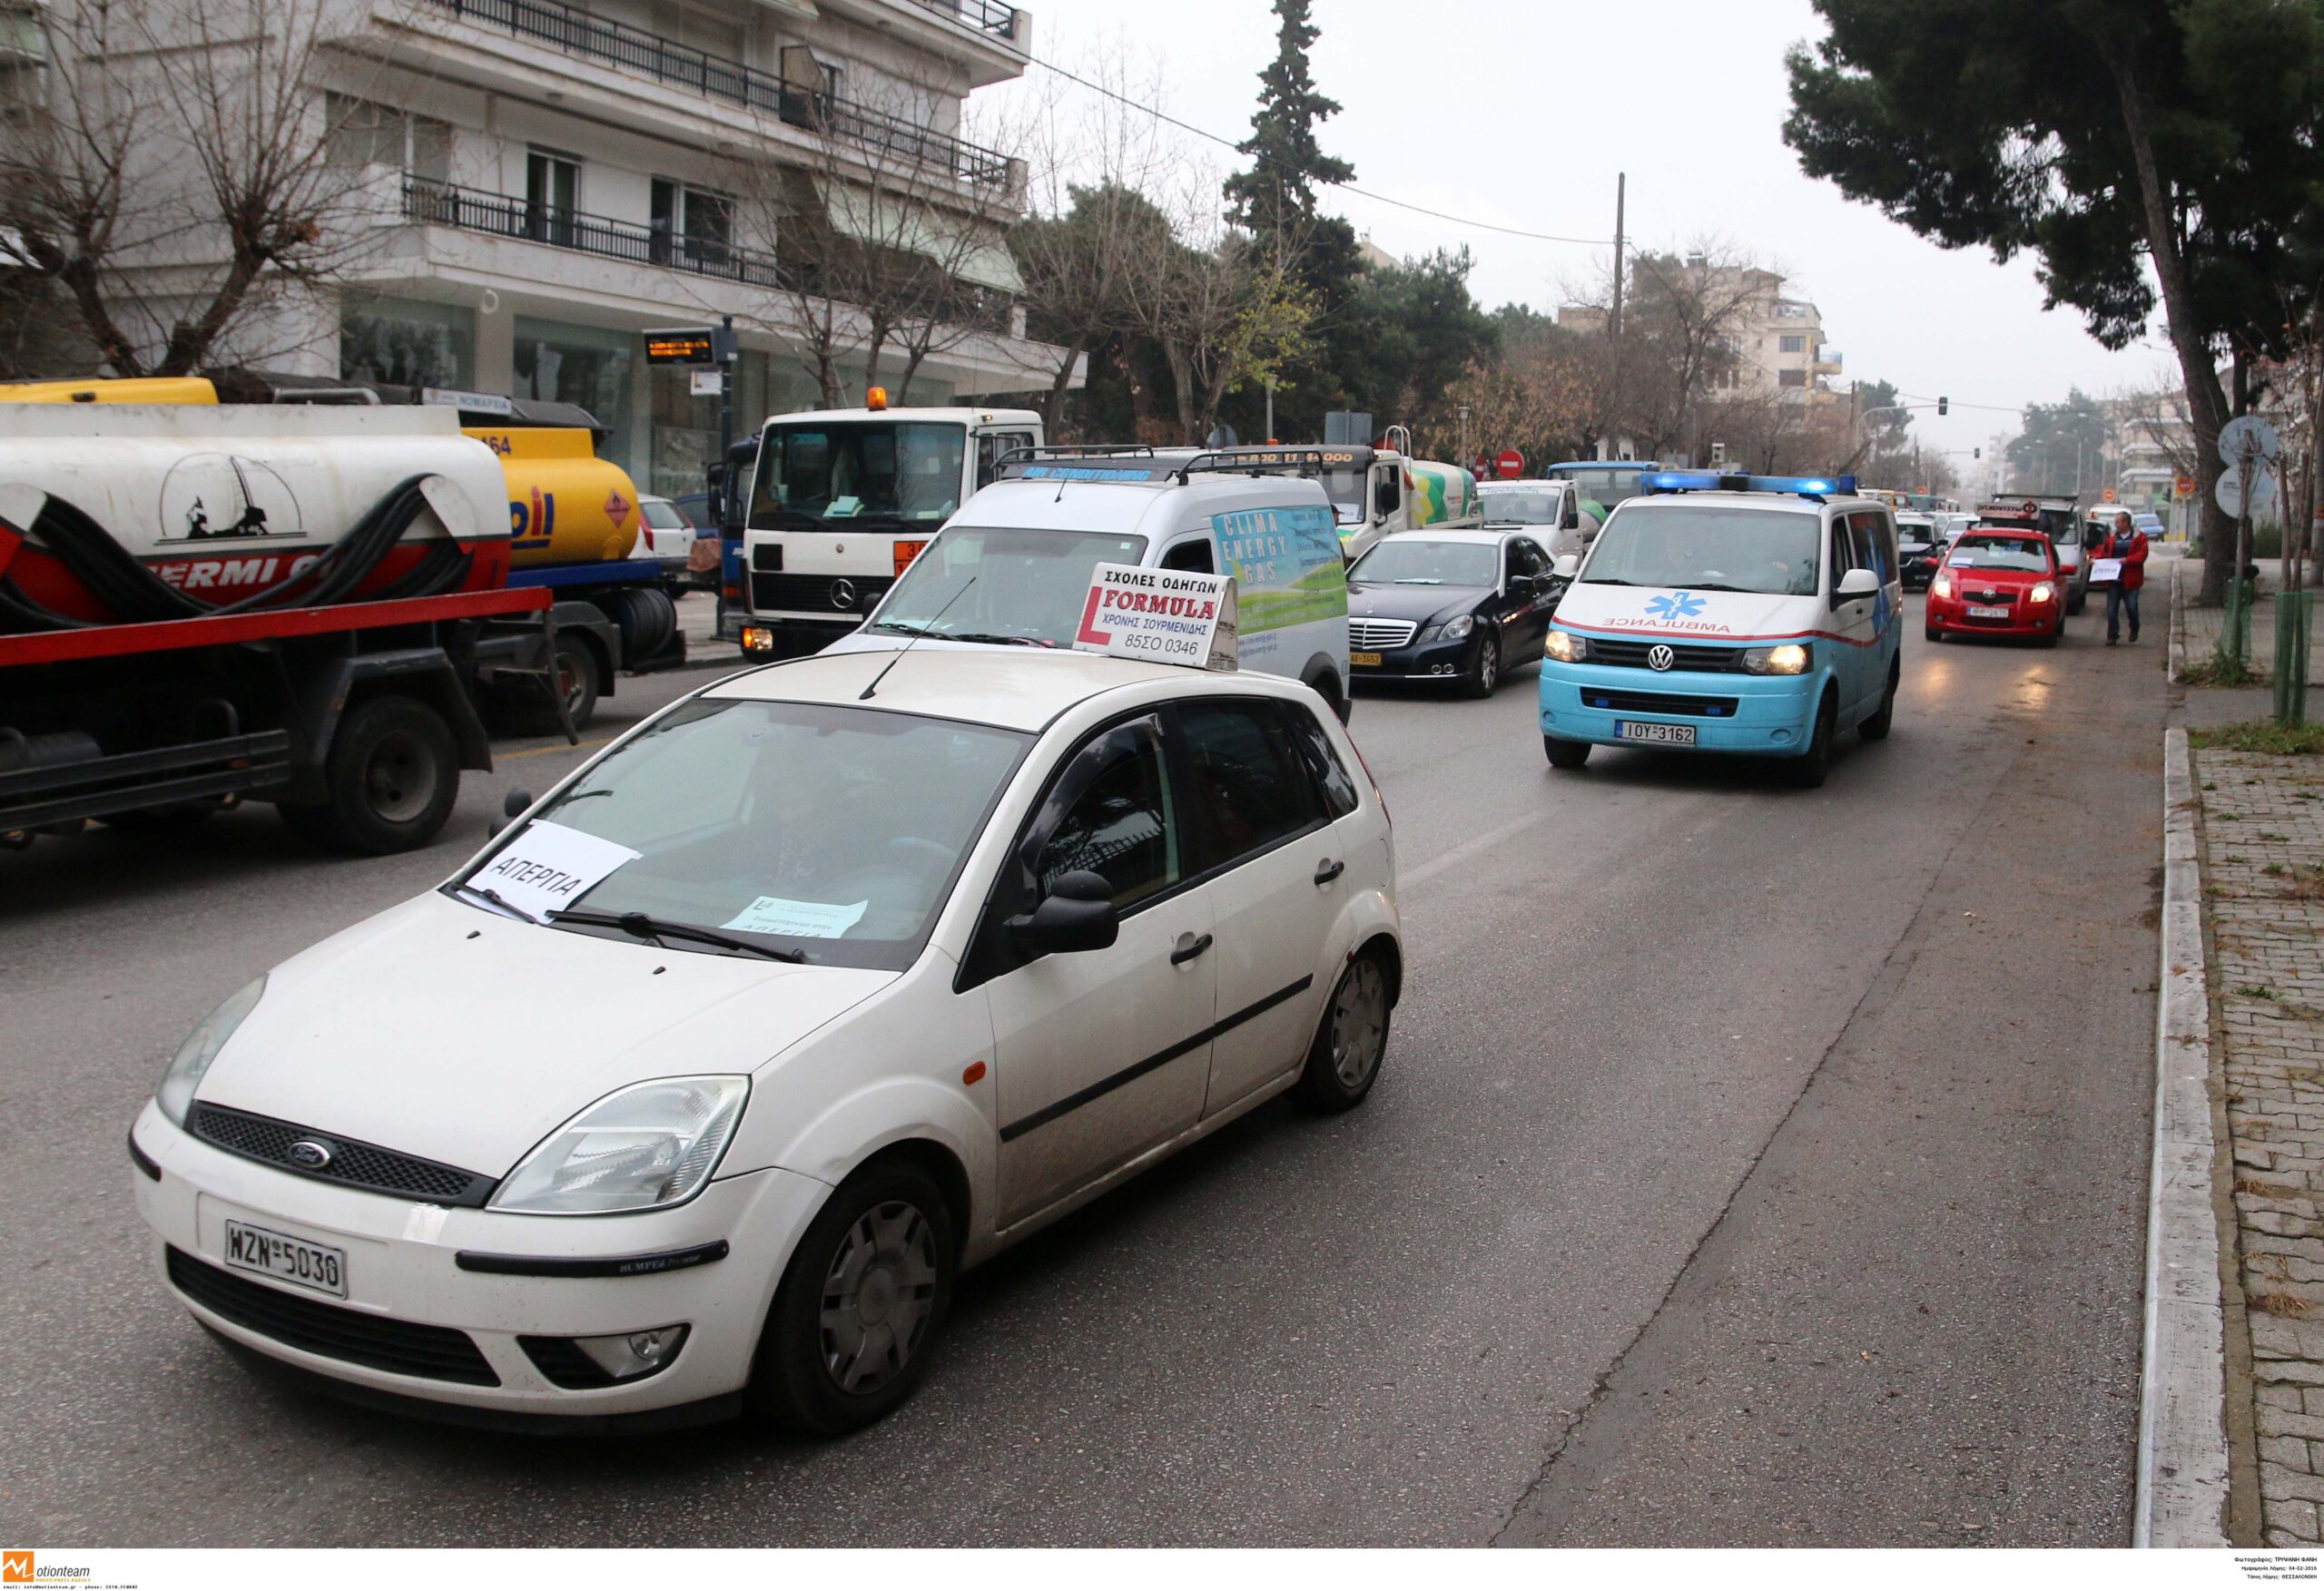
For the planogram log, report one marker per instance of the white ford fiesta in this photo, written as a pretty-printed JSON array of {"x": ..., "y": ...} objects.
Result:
[{"x": 694, "y": 1092}]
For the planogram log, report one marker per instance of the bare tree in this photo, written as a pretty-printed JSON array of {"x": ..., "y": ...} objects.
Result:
[{"x": 170, "y": 169}]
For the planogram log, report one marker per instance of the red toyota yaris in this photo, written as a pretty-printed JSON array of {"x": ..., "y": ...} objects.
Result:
[{"x": 1999, "y": 582}]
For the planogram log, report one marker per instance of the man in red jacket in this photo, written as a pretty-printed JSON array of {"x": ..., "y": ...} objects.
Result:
[{"x": 2128, "y": 544}]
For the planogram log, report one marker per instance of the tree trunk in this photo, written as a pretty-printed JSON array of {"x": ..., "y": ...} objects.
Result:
[
  {"x": 1053, "y": 405},
  {"x": 1182, "y": 377},
  {"x": 2198, "y": 370}
]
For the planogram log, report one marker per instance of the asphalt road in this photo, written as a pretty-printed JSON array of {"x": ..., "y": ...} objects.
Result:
[{"x": 1750, "y": 1166}]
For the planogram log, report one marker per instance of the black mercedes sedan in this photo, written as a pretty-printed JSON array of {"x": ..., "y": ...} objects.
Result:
[
  {"x": 1919, "y": 550},
  {"x": 1459, "y": 606}
]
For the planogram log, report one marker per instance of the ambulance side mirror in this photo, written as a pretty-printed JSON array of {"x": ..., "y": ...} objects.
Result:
[{"x": 1857, "y": 583}]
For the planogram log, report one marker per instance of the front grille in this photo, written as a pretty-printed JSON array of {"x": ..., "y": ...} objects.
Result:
[
  {"x": 1701, "y": 660},
  {"x": 1379, "y": 634},
  {"x": 813, "y": 593},
  {"x": 561, "y": 1360},
  {"x": 1654, "y": 702},
  {"x": 352, "y": 1164},
  {"x": 435, "y": 1354},
  {"x": 1989, "y": 598}
]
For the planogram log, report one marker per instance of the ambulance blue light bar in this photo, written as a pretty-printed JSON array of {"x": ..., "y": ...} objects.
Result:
[{"x": 1704, "y": 481}]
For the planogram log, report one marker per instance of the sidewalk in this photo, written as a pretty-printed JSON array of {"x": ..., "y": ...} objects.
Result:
[
  {"x": 2203, "y": 624},
  {"x": 2262, "y": 847}
]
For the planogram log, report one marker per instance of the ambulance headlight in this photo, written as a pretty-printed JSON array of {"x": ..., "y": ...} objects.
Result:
[
  {"x": 1458, "y": 629},
  {"x": 644, "y": 1147},
  {"x": 187, "y": 1067},
  {"x": 1790, "y": 658},
  {"x": 1565, "y": 646}
]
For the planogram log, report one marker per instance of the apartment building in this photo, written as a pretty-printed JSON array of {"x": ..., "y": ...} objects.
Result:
[
  {"x": 543, "y": 180},
  {"x": 1778, "y": 340}
]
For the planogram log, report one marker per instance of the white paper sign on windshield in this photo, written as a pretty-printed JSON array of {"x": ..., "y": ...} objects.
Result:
[
  {"x": 549, "y": 867},
  {"x": 801, "y": 919},
  {"x": 2101, "y": 569},
  {"x": 1161, "y": 615}
]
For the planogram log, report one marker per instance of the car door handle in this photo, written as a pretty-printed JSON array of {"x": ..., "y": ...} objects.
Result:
[
  {"x": 1188, "y": 948},
  {"x": 1328, "y": 871}
]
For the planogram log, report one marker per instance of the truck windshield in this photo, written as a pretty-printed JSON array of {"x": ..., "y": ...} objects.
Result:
[
  {"x": 857, "y": 469},
  {"x": 1528, "y": 505},
  {"x": 819, "y": 833},
  {"x": 1609, "y": 485},
  {"x": 1030, "y": 589},
  {"x": 1685, "y": 547}
]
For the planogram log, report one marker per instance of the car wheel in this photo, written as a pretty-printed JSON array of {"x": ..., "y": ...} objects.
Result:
[
  {"x": 1345, "y": 1060},
  {"x": 2075, "y": 603},
  {"x": 1932, "y": 634},
  {"x": 1483, "y": 676},
  {"x": 2055, "y": 632},
  {"x": 1565, "y": 753},
  {"x": 862, "y": 1303},
  {"x": 1877, "y": 727},
  {"x": 1808, "y": 772}
]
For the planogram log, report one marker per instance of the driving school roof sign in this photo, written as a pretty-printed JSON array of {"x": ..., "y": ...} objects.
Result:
[{"x": 1159, "y": 615}]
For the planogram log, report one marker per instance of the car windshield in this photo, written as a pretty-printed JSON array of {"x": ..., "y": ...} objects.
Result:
[
  {"x": 1411, "y": 560},
  {"x": 1914, "y": 535},
  {"x": 857, "y": 469},
  {"x": 1706, "y": 548},
  {"x": 830, "y": 834},
  {"x": 662, "y": 515},
  {"x": 1998, "y": 552},
  {"x": 1524, "y": 505},
  {"x": 1029, "y": 588}
]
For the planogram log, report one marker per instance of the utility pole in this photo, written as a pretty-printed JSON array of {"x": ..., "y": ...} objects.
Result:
[{"x": 1622, "y": 200}]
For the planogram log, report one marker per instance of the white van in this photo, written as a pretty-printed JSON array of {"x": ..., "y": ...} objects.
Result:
[{"x": 1012, "y": 567}]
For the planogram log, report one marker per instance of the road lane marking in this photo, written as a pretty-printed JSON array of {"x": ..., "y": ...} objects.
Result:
[
  {"x": 1460, "y": 853},
  {"x": 544, "y": 750}
]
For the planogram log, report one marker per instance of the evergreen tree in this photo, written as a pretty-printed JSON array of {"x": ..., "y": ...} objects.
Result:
[{"x": 1275, "y": 198}]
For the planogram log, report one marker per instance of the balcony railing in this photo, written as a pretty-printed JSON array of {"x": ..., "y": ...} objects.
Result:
[
  {"x": 440, "y": 204},
  {"x": 575, "y": 32},
  {"x": 985, "y": 15}
]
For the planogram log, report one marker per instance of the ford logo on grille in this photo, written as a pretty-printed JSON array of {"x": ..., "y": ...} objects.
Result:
[
  {"x": 842, "y": 594},
  {"x": 1660, "y": 657},
  {"x": 309, "y": 1155}
]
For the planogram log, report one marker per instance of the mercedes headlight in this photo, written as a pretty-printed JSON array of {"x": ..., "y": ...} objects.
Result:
[
  {"x": 1790, "y": 658},
  {"x": 184, "y": 1075},
  {"x": 1458, "y": 629},
  {"x": 1565, "y": 646},
  {"x": 644, "y": 1147}
]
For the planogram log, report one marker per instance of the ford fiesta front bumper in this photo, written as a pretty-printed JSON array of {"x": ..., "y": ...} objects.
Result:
[
  {"x": 471, "y": 1314},
  {"x": 1748, "y": 714}
]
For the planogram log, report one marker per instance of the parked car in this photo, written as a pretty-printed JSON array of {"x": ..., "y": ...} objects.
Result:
[
  {"x": 1460, "y": 607},
  {"x": 665, "y": 536},
  {"x": 1920, "y": 549}
]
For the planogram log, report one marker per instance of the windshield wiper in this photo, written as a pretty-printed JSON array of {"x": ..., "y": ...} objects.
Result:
[
  {"x": 1714, "y": 586},
  {"x": 987, "y": 638},
  {"x": 1417, "y": 580},
  {"x": 1608, "y": 580},
  {"x": 494, "y": 898},
  {"x": 639, "y": 925}
]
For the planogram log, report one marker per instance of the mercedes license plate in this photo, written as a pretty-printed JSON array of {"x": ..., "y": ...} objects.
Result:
[
  {"x": 1654, "y": 735},
  {"x": 1978, "y": 612},
  {"x": 1363, "y": 660},
  {"x": 287, "y": 1259}
]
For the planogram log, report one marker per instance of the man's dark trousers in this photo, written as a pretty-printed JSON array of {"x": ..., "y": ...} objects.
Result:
[{"x": 2117, "y": 599}]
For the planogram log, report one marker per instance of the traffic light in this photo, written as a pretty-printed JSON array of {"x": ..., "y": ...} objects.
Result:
[
  {"x": 1977, "y": 452},
  {"x": 1944, "y": 405}
]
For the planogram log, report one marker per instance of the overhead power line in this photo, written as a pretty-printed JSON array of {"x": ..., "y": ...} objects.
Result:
[
  {"x": 2018, "y": 409},
  {"x": 1458, "y": 221}
]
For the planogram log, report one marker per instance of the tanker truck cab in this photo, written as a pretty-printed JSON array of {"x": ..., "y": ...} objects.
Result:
[
  {"x": 843, "y": 500},
  {"x": 1738, "y": 613},
  {"x": 1014, "y": 566},
  {"x": 1377, "y": 493}
]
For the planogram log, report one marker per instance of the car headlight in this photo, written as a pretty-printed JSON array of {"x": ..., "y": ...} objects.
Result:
[
  {"x": 1565, "y": 646},
  {"x": 1942, "y": 585},
  {"x": 2044, "y": 592},
  {"x": 1790, "y": 658},
  {"x": 1459, "y": 628},
  {"x": 642, "y": 1147},
  {"x": 175, "y": 1093}
]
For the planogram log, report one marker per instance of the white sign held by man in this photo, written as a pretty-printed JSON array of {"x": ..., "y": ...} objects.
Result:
[{"x": 1162, "y": 615}]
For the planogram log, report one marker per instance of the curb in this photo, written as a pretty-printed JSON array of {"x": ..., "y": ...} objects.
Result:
[
  {"x": 2177, "y": 661},
  {"x": 2182, "y": 1458}
]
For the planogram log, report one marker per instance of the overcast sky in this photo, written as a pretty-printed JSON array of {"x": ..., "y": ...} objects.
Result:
[{"x": 1520, "y": 112}]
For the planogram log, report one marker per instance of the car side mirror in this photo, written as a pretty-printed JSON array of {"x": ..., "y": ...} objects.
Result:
[
  {"x": 1077, "y": 914},
  {"x": 1568, "y": 566},
  {"x": 1857, "y": 583},
  {"x": 512, "y": 807}
]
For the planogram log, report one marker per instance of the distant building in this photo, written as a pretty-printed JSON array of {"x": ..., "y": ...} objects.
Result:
[{"x": 1371, "y": 256}]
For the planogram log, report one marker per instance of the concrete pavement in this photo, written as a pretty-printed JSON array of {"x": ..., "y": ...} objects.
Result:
[{"x": 1693, "y": 1070}]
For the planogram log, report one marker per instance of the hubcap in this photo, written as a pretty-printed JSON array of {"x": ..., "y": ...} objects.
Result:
[
  {"x": 399, "y": 780},
  {"x": 1489, "y": 661},
  {"x": 1359, "y": 1024},
  {"x": 878, "y": 1297}
]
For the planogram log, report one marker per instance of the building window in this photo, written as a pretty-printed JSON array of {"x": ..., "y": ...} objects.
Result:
[
  {"x": 1792, "y": 345},
  {"x": 690, "y": 225},
  {"x": 587, "y": 365},
  {"x": 1791, "y": 378},
  {"x": 409, "y": 342},
  {"x": 365, "y": 134},
  {"x": 552, "y": 195}
]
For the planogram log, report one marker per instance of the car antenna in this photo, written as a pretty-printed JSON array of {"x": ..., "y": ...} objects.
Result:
[{"x": 907, "y": 645}]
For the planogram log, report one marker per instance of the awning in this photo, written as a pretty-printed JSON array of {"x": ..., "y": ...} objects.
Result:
[{"x": 973, "y": 251}]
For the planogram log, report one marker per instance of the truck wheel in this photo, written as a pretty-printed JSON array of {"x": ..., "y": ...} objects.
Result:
[
  {"x": 393, "y": 774},
  {"x": 573, "y": 669},
  {"x": 646, "y": 618}
]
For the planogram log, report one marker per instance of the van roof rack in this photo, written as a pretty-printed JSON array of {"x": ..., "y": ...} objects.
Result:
[
  {"x": 1302, "y": 459},
  {"x": 1076, "y": 450}
]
